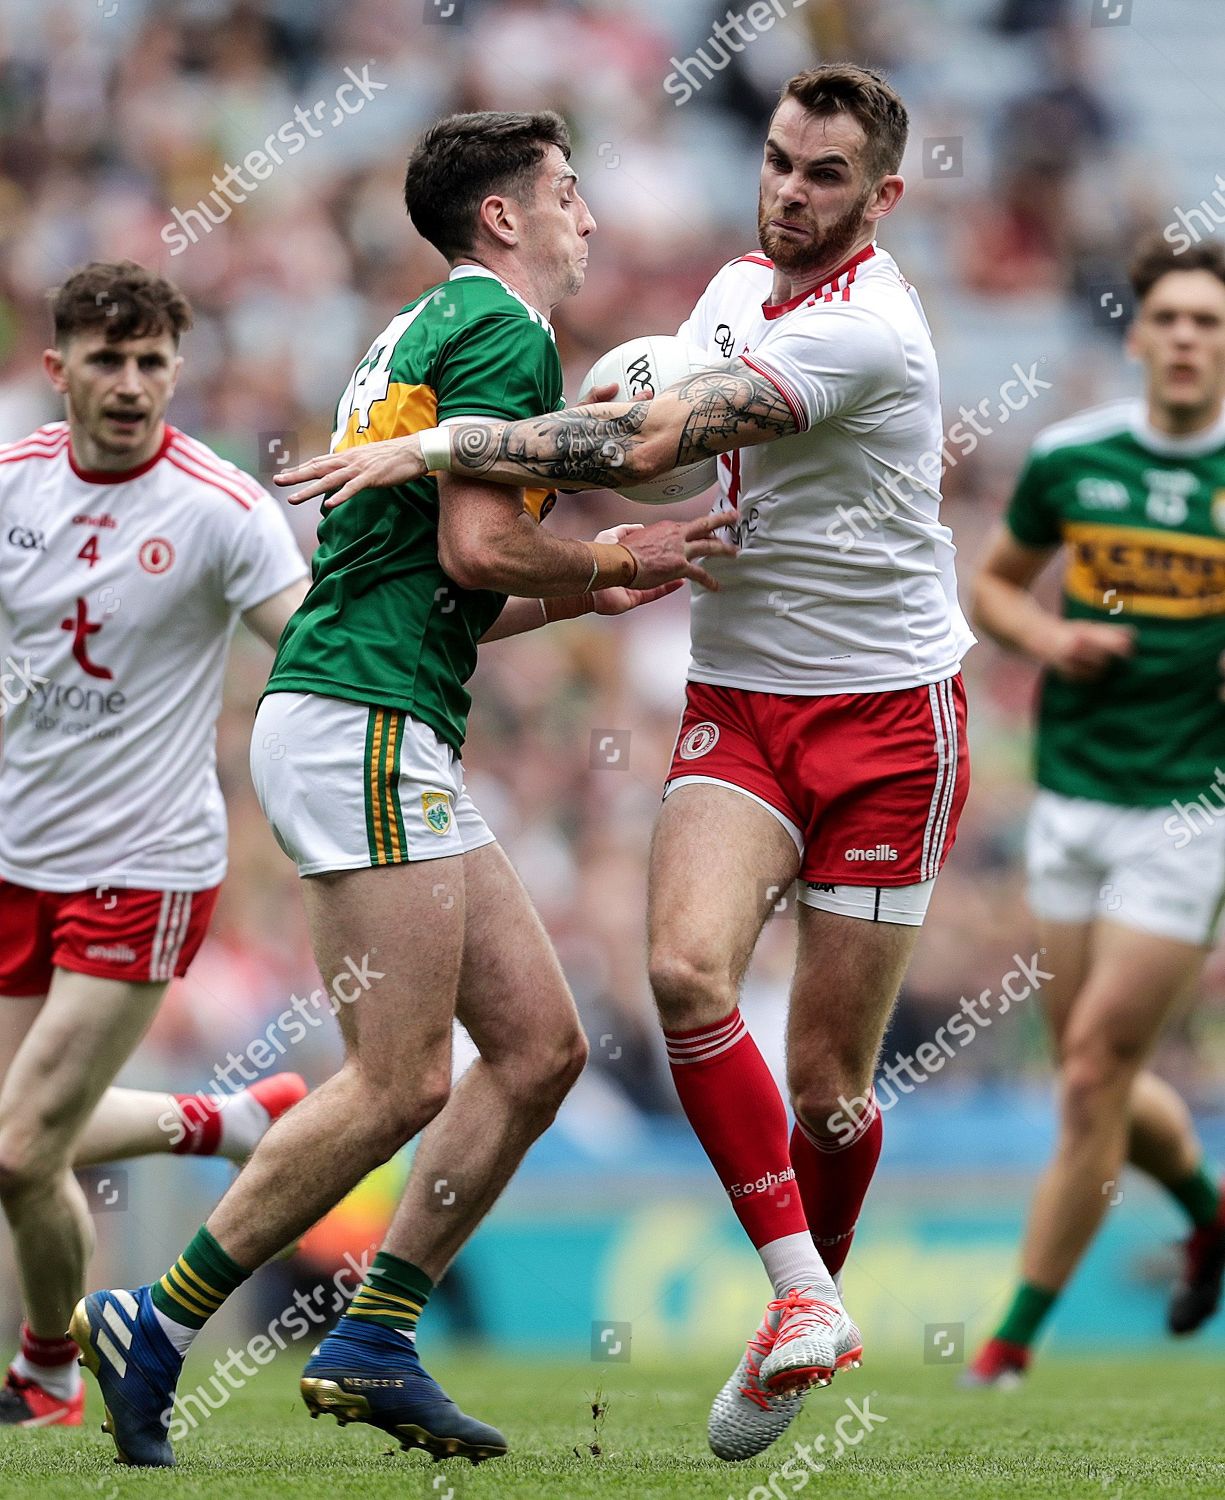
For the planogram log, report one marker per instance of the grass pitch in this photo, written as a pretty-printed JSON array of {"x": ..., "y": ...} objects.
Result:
[{"x": 1152, "y": 1425}]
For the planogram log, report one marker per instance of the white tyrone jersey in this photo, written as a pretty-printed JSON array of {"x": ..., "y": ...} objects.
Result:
[
  {"x": 808, "y": 607},
  {"x": 120, "y": 593}
]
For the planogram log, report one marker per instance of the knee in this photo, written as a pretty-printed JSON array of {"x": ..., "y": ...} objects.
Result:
[
  {"x": 393, "y": 1112},
  {"x": 567, "y": 1059},
  {"x": 830, "y": 1088},
  {"x": 832, "y": 1106},
  {"x": 542, "y": 1073},
  {"x": 689, "y": 990},
  {"x": 29, "y": 1159},
  {"x": 1095, "y": 1077}
]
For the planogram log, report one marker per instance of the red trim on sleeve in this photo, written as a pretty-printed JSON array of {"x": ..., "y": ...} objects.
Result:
[{"x": 780, "y": 385}]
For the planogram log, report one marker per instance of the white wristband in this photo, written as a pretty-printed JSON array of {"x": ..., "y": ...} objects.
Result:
[{"x": 436, "y": 449}]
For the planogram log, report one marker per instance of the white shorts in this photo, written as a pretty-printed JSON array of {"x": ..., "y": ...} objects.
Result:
[
  {"x": 903, "y": 905},
  {"x": 347, "y": 786},
  {"x": 1090, "y": 860}
]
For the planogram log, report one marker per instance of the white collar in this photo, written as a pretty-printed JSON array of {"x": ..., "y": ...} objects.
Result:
[
  {"x": 1193, "y": 445},
  {"x": 460, "y": 272}
]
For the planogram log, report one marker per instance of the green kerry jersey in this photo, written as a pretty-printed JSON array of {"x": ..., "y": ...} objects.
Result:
[
  {"x": 1142, "y": 518},
  {"x": 383, "y": 623}
]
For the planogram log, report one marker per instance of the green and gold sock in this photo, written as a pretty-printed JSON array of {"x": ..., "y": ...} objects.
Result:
[
  {"x": 198, "y": 1283},
  {"x": 393, "y": 1294},
  {"x": 1200, "y": 1195},
  {"x": 1026, "y": 1314}
]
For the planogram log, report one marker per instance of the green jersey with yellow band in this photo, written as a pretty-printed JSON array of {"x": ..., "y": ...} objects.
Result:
[
  {"x": 1142, "y": 518},
  {"x": 383, "y": 623}
]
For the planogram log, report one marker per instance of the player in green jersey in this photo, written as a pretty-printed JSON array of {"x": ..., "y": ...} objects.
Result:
[
  {"x": 1127, "y": 835},
  {"x": 416, "y": 914}
]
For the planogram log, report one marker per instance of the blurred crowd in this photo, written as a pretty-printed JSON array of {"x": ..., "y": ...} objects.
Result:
[{"x": 113, "y": 113}]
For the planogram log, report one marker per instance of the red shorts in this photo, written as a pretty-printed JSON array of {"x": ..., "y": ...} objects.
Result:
[
  {"x": 109, "y": 932},
  {"x": 869, "y": 785}
]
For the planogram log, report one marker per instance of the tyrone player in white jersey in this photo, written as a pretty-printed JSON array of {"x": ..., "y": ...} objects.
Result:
[
  {"x": 824, "y": 732},
  {"x": 128, "y": 552}
]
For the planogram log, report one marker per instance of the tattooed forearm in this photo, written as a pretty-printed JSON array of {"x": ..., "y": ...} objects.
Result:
[
  {"x": 574, "y": 445},
  {"x": 617, "y": 444},
  {"x": 729, "y": 409}
]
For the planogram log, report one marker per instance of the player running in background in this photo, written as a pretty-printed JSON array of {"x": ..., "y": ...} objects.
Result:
[
  {"x": 1126, "y": 854},
  {"x": 128, "y": 551},
  {"x": 355, "y": 757},
  {"x": 824, "y": 732}
]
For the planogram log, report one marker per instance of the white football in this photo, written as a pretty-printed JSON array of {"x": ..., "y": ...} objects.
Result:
[{"x": 653, "y": 363}]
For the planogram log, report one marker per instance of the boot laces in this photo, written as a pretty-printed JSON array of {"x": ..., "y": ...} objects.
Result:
[
  {"x": 758, "y": 1347},
  {"x": 800, "y": 1315}
]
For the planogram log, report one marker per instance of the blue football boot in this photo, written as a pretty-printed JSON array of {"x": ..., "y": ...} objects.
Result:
[
  {"x": 137, "y": 1368},
  {"x": 363, "y": 1372}
]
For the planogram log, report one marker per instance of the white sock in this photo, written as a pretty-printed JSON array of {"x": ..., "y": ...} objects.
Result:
[
  {"x": 243, "y": 1121},
  {"x": 793, "y": 1263},
  {"x": 178, "y": 1333},
  {"x": 63, "y": 1381}
]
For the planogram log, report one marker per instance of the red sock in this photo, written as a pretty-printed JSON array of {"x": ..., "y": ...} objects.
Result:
[
  {"x": 833, "y": 1178},
  {"x": 738, "y": 1115},
  {"x": 199, "y": 1118},
  {"x": 48, "y": 1354}
]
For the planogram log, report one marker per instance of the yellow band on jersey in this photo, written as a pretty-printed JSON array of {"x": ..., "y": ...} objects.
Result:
[{"x": 1132, "y": 569}]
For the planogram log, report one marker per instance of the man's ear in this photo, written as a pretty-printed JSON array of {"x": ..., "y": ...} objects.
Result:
[
  {"x": 886, "y": 198},
  {"x": 500, "y": 217},
  {"x": 53, "y": 365}
]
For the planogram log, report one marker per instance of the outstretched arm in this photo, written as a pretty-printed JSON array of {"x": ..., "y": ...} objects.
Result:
[
  {"x": 702, "y": 415},
  {"x": 606, "y": 445}
]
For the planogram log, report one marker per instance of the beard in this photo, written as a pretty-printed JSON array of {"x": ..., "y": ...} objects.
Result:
[{"x": 827, "y": 247}]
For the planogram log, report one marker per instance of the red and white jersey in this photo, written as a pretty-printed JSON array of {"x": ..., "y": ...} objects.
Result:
[
  {"x": 845, "y": 579},
  {"x": 120, "y": 593}
]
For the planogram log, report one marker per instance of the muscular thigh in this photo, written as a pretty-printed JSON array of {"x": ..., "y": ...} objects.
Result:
[
  {"x": 1067, "y": 949},
  {"x": 1133, "y": 983},
  {"x": 512, "y": 992},
  {"x": 401, "y": 927},
  {"x": 17, "y": 1013},
  {"x": 74, "y": 1045},
  {"x": 719, "y": 863}
]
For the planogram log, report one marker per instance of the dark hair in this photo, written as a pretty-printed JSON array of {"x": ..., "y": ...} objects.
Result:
[
  {"x": 1156, "y": 258},
  {"x": 862, "y": 92},
  {"x": 121, "y": 298},
  {"x": 462, "y": 159}
]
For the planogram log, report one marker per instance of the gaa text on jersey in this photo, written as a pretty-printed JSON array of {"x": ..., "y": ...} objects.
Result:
[{"x": 27, "y": 538}]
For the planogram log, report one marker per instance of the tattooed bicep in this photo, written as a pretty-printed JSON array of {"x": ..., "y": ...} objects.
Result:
[{"x": 733, "y": 403}]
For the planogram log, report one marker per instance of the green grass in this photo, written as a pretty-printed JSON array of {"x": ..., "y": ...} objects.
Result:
[{"x": 1153, "y": 1425}]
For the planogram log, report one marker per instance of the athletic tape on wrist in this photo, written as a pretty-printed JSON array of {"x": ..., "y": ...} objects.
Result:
[
  {"x": 436, "y": 449},
  {"x": 615, "y": 565}
]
